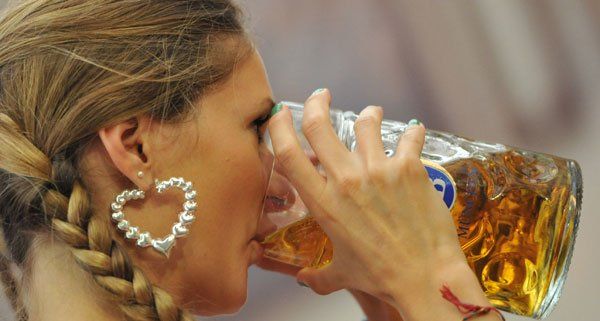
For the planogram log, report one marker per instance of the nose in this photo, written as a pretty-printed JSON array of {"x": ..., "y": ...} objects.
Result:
[
  {"x": 280, "y": 197},
  {"x": 280, "y": 193}
]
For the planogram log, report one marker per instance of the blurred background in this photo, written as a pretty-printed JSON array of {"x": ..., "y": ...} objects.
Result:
[{"x": 521, "y": 73}]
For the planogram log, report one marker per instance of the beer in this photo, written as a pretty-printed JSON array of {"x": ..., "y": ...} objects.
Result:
[{"x": 516, "y": 214}]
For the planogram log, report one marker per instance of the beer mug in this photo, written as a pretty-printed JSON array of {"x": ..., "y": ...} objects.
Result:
[{"x": 516, "y": 212}]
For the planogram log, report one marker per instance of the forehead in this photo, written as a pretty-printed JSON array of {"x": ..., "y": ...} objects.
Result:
[{"x": 245, "y": 89}]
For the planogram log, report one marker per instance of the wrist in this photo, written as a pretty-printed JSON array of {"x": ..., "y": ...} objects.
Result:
[
  {"x": 374, "y": 308},
  {"x": 424, "y": 301}
]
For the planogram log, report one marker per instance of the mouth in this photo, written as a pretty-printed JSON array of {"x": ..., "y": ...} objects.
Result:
[
  {"x": 256, "y": 252},
  {"x": 262, "y": 235},
  {"x": 265, "y": 229},
  {"x": 258, "y": 238}
]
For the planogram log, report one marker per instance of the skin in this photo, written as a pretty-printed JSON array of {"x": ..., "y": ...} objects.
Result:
[
  {"x": 219, "y": 152},
  {"x": 393, "y": 236}
]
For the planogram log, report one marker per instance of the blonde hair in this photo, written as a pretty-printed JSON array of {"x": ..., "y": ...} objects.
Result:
[{"x": 69, "y": 68}]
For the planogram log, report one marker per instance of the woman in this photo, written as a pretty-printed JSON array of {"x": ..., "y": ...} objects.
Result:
[{"x": 99, "y": 97}]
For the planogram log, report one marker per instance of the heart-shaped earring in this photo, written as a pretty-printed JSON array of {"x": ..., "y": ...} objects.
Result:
[{"x": 179, "y": 229}]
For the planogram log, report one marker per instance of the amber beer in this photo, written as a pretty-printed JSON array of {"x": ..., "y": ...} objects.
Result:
[{"x": 516, "y": 214}]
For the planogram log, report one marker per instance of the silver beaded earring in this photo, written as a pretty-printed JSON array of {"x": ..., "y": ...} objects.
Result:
[{"x": 179, "y": 229}]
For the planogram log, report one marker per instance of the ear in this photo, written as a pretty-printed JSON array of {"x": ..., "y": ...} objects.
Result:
[{"x": 127, "y": 146}]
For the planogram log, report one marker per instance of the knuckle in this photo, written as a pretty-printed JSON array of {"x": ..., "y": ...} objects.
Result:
[
  {"x": 364, "y": 121},
  {"x": 377, "y": 172},
  {"x": 285, "y": 155},
  {"x": 408, "y": 134},
  {"x": 411, "y": 166},
  {"x": 369, "y": 116},
  {"x": 372, "y": 110},
  {"x": 349, "y": 184},
  {"x": 416, "y": 134},
  {"x": 312, "y": 123}
]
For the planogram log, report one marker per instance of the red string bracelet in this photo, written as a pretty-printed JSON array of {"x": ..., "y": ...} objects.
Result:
[{"x": 469, "y": 311}]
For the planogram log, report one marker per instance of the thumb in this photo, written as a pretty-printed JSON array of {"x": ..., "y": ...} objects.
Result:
[{"x": 323, "y": 280}]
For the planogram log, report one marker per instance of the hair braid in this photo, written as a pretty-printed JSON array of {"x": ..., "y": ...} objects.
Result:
[
  {"x": 11, "y": 289},
  {"x": 107, "y": 260},
  {"x": 88, "y": 235},
  {"x": 94, "y": 249},
  {"x": 69, "y": 68}
]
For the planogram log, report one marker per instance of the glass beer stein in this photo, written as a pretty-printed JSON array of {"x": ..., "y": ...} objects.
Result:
[{"x": 516, "y": 212}]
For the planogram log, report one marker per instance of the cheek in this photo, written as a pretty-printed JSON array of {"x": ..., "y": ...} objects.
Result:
[
  {"x": 245, "y": 179},
  {"x": 234, "y": 195},
  {"x": 232, "y": 176}
]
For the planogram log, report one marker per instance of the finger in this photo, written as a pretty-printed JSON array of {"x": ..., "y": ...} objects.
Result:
[
  {"x": 323, "y": 280},
  {"x": 315, "y": 161},
  {"x": 411, "y": 142},
  {"x": 316, "y": 126},
  {"x": 311, "y": 156},
  {"x": 368, "y": 133},
  {"x": 290, "y": 156}
]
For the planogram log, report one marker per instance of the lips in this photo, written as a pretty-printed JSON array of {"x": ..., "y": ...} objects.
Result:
[{"x": 256, "y": 252}]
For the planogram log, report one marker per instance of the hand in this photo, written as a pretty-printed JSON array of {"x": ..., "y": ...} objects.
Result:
[
  {"x": 393, "y": 235},
  {"x": 374, "y": 309}
]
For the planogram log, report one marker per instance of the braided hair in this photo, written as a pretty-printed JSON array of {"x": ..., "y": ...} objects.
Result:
[{"x": 69, "y": 68}]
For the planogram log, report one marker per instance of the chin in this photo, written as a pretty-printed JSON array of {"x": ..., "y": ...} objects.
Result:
[
  {"x": 228, "y": 301},
  {"x": 235, "y": 304},
  {"x": 230, "y": 306}
]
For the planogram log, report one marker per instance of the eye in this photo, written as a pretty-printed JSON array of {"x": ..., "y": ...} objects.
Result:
[{"x": 258, "y": 123}]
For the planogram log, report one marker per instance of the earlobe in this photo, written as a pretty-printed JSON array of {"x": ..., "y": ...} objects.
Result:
[{"x": 124, "y": 144}]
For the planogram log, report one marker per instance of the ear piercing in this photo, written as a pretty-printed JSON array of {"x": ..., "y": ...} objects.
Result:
[{"x": 179, "y": 228}]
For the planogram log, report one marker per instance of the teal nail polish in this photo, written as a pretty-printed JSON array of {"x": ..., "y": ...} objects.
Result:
[
  {"x": 413, "y": 122},
  {"x": 276, "y": 109},
  {"x": 318, "y": 91}
]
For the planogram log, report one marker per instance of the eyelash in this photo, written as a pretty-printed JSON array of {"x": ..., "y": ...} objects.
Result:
[{"x": 258, "y": 124}]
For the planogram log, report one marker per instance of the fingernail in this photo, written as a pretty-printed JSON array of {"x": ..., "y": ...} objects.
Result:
[
  {"x": 413, "y": 122},
  {"x": 276, "y": 108},
  {"x": 318, "y": 91},
  {"x": 300, "y": 283}
]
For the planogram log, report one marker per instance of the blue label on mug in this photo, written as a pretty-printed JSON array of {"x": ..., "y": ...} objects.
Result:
[{"x": 443, "y": 183}]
